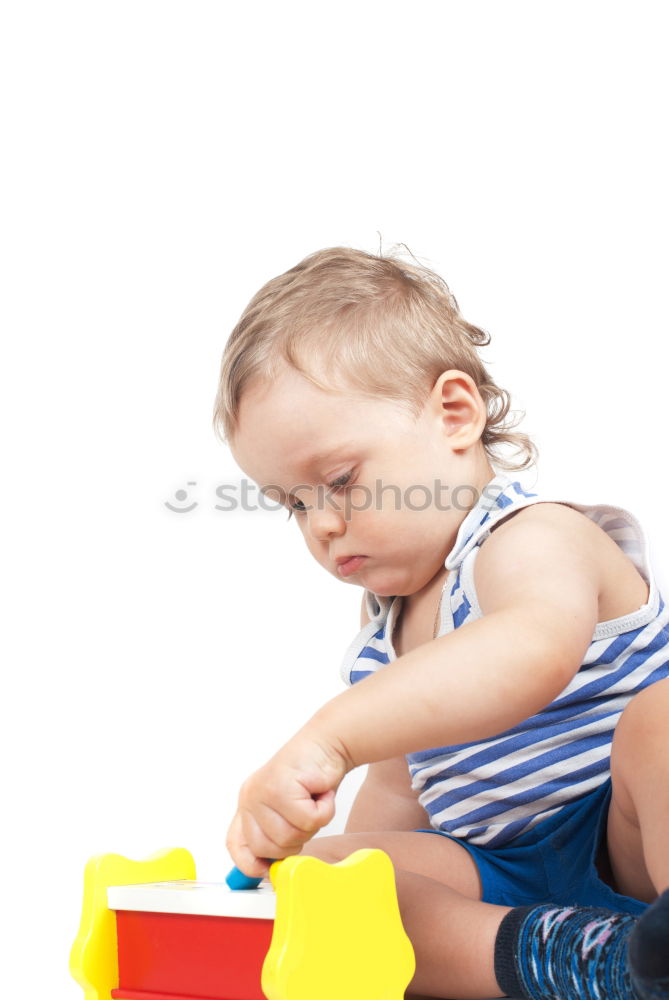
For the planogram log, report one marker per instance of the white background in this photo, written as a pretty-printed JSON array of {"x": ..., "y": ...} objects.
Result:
[{"x": 162, "y": 161}]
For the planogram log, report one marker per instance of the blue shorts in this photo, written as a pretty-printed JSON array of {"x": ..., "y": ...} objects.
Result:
[{"x": 554, "y": 862}]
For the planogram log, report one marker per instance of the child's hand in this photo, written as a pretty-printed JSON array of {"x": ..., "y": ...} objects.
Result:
[{"x": 282, "y": 805}]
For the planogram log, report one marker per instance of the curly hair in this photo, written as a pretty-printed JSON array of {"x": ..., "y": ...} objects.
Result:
[{"x": 378, "y": 325}]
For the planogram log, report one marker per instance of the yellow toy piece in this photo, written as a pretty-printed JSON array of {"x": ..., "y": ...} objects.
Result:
[
  {"x": 337, "y": 931},
  {"x": 93, "y": 959}
]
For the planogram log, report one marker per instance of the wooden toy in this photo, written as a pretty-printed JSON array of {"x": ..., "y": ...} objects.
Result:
[{"x": 150, "y": 931}]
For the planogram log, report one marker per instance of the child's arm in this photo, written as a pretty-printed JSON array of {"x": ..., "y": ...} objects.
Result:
[
  {"x": 538, "y": 586},
  {"x": 385, "y": 800}
]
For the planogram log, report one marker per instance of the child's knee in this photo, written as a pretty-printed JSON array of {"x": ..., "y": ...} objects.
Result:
[{"x": 334, "y": 848}]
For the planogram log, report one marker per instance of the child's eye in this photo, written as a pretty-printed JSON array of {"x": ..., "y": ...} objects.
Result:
[
  {"x": 341, "y": 481},
  {"x": 295, "y": 508},
  {"x": 336, "y": 484}
]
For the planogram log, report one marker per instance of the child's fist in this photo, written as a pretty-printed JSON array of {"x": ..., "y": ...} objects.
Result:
[{"x": 283, "y": 804}]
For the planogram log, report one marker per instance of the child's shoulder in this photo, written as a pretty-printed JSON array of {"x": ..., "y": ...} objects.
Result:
[
  {"x": 543, "y": 520},
  {"x": 553, "y": 514},
  {"x": 549, "y": 541},
  {"x": 536, "y": 539}
]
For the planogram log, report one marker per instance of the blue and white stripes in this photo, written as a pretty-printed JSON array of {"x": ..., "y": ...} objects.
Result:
[{"x": 490, "y": 791}]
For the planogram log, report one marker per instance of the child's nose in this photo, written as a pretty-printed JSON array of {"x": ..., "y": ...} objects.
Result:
[{"x": 324, "y": 523}]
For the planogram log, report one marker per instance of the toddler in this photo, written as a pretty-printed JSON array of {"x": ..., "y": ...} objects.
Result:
[{"x": 509, "y": 685}]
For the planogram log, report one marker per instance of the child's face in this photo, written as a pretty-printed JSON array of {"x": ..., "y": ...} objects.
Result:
[{"x": 393, "y": 461}]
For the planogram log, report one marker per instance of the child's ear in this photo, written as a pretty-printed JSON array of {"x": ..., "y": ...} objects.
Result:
[{"x": 459, "y": 407}]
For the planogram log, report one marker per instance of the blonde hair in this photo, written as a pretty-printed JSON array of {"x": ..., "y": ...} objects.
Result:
[{"x": 378, "y": 325}]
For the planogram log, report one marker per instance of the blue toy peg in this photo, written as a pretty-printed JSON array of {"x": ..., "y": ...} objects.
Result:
[{"x": 238, "y": 880}]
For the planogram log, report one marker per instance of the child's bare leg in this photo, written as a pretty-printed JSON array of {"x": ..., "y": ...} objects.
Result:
[
  {"x": 639, "y": 811},
  {"x": 453, "y": 939}
]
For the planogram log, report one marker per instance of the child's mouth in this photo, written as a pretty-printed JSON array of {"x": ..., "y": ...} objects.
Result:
[{"x": 350, "y": 565}]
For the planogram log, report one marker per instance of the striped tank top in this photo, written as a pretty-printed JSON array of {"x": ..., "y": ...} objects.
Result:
[{"x": 490, "y": 791}]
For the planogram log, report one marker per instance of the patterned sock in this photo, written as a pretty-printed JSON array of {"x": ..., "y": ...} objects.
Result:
[{"x": 581, "y": 953}]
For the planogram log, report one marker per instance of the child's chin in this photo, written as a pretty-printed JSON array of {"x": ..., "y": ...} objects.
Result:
[{"x": 377, "y": 587}]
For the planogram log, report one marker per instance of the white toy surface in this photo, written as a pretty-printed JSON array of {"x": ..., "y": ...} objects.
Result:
[{"x": 204, "y": 898}]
